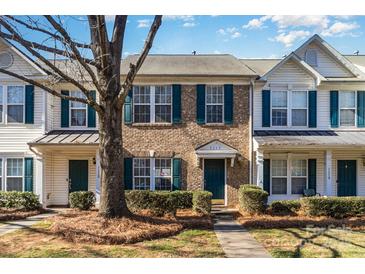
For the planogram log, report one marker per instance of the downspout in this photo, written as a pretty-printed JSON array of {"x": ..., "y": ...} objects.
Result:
[{"x": 251, "y": 90}]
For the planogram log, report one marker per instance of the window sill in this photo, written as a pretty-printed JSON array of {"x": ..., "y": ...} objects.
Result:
[
  {"x": 151, "y": 124},
  {"x": 215, "y": 125}
]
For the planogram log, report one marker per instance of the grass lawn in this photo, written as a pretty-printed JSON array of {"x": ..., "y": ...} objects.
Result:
[
  {"x": 30, "y": 243},
  {"x": 312, "y": 243}
]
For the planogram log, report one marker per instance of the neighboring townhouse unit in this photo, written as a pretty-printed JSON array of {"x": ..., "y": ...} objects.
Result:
[{"x": 309, "y": 122}]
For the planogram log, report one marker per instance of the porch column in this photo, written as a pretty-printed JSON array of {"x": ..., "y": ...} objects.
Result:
[
  {"x": 328, "y": 173},
  {"x": 39, "y": 182},
  {"x": 260, "y": 168}
]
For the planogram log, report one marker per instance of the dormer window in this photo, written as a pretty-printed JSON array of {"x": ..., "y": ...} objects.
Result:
[{"x": 311, "y": 57}]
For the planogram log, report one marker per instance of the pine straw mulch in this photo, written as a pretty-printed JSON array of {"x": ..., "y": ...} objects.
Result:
[
  {"x": 268, "y": 221},
  {"x": 9, "y": 214},
  {"x": 88, "y": 227}
]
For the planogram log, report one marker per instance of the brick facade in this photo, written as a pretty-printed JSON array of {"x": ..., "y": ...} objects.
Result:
[{"x": 181, "y": 141}]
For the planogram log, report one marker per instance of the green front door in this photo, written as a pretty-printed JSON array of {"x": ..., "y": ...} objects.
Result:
[
  {"x": 346, "y": 178},
  {"x": 78, "y": 175},
  {"x": 214, "y": 177}
]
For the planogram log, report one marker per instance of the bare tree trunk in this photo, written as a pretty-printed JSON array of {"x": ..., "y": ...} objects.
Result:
[{"x": 112, "y": 202}]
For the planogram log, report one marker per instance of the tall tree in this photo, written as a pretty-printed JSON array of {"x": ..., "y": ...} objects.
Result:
[{"x": 101, "y": 69}]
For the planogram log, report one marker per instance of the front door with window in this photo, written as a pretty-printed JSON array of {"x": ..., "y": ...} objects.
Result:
[
  {"x": 214, "y": 177},
  {"x": 346, "y": 178},
  {"x": 78, "y": 175}
]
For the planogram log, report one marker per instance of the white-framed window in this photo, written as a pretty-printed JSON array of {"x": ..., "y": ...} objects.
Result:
[
  {"x": 78, "y": 110},
  {"x": 15, "y": 101},
  {"x": 14, "y": 174},
  {"x": 152, "y": 173},
  {"x": 279, "y": 177},
  {"x": 1, "y": 104},
  {"x": 299, "y": 108},
  {"x": 279, "y": 108},
  {"x": 298, "y": 176},
  {"x": 347, "y": 104},
  {"x": 152, "y": 104},
  {"x": 214, "y": 104},
  {"x": 311, "y": 57},
  {"x": 1, "y": 174}
]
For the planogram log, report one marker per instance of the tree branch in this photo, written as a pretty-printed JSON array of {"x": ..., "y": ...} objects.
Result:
[{"x": 134, "y": 68}]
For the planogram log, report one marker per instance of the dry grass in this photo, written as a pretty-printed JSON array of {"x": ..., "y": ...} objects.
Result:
[
  {"x": 9, "y": 214},
  {"x": 88, "y": 227},
  {"x": 298, "y": 221}
]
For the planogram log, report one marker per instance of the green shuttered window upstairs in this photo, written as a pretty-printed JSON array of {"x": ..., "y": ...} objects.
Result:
[
  {"x": 91, "y": 113},
  {"x": 334, "y": 108},
  {"x": 266, "y": 108},
  {"x": 29, "y": 104},
  {"x": 228, "y": 104},
  {"x": 65, "y": 105},
  {"x": 361, "y": 108},
  {"x": 312, "y": 109},
  {"x": 200, "y": 104}
]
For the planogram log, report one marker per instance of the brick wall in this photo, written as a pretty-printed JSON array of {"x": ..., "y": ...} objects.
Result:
[{"x": 181, "y": 140}]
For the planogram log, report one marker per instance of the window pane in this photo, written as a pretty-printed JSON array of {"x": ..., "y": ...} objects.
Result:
[
  {"x": 77, "y": 94},
  {"x": 299, "y": 117},
  {"x": 163, "y": 184},
  {"x": 15, "y": 94},
  {"x": 299, "y": 99},
  {"x": 162, "y": 167},
  {"x": 279, "y": 117},
  {"x": 298, "y": 185},
  {"x": 14, "y": 184},
  {"x": 279, "y": 167},
  {"x": 141, "y": 167},
  {"x": 347, "y": 99},
  {"x": 347, "y": 117},
  {"x": 141, "y": 95},
  {"x": 14, "y": 167},
  {"x": 142, "y": 183},
  {"x": 299, "y": 168},
  {"x": 15, "y": 114},
  {"x": 142, "y": 113},
  {"x": 214, "y": 95},
  {"x": 214, "y": 114},
  {"x": 78, "y": 117},
  {"x": 163, "y": 95},
  {"x": 163, "y": 113},
  {"x": 279, "y": 99},
  {"x": 278, "y": 185}
]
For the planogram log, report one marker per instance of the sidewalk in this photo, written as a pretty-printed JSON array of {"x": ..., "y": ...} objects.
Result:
[{"x": 235, "y": 240}]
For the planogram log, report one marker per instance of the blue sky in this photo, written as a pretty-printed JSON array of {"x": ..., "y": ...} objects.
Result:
[{"x": 242, "y": 36}]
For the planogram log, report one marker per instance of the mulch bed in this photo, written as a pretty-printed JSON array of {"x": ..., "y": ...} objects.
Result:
[
  {"x": 88, "y": 227},
  {"x": 267, "y": 221},
  {"x": 10, "y": 214}
]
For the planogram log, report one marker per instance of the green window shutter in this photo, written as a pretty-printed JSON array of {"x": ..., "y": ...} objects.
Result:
[
  {"x": 361, "y": 108},
  {"x": 29, "y": 104},
  {"x": 312, "y": 108},
  {"x": 28, "y": 174},
  {"x": 228, "y": 104},
  {"x": 65, "y": 105},
  {"x": 128, "y": 105},
  {"x": 91, "y": 113},
  {"x": 267, "y": 175},
  {"x": 128, "y": 173},
  {"x": 266, "y": 108},
  {"x": 334, "y": 108},
  {"x": 200, "y": 104},
  {"x": 176, "y": 172},
  {"x": 176, "y": 104},
  {"x": 312, "y": 174}
]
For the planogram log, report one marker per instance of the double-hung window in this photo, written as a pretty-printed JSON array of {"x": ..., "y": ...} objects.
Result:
[
  {"x": 15, "y": 104},
  {"x": 347, "y": 101},
  {"x": 279, "y": 108},
  {"x": 299, "y": 108},
  {"x": 214, "y": 104},
  {"x": 298, "y": 176},
  {"x": 152, "y": 104},
  {"x": 14, "y": 174},
  {"x": 279, "y": 177},
  {"x": 1, "y": 104},
  {"x": 78, "y": 110},
  {"x": 152, "y": 174}
]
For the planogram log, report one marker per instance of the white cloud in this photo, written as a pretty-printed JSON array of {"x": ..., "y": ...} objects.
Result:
[
  {"x": 189, "y": 25},
  {"x": 185, "y": 18},
  {"x": 289, "y": 38},
  {"x": 256, "y": 23},
  {"x": 285, "y": 21},
  {"x": 221, "y": 32},
  {"x": 340, "y": 29},
  {"x": 143, "y": 23},
  {"x": 235, "y": 35},
  {"x": 232, "y": 32}
]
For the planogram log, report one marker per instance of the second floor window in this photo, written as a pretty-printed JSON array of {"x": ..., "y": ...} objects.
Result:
[
  {"x": 78, "y": 111},
  {"x": 347, "y": 101},
  {"x": 214, "y": 104},
  {"x": 279, "y": 108},
  {"x": 152, "y": 104},
  {"x": 15, "y": 104}
]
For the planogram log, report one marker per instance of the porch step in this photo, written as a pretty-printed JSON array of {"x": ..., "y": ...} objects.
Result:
[{"x": 222, "y": 210}]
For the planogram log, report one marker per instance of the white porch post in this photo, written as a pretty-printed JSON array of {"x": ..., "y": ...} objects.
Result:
[
  {"x": 328, "y": 173},
  {"x": 260, "y": 168},
  {"x": 39, "y": 181}
]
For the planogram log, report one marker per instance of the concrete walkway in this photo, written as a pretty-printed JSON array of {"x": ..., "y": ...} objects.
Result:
[
  {"x": 10, "y": 226},
  {"x": 235, "y": 240}
]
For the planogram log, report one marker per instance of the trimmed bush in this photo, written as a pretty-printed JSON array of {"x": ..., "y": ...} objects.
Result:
[
  {"x": 183, "y": 199},
  {"x": 83, "y": 200},
  {"x": 202, "y": 202},
  {"x": 252, "y": 199},
  {"x": 285, "y": 207},
  {"x": 337, "y": 207},
  {"x": 21, "y": 200}
]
